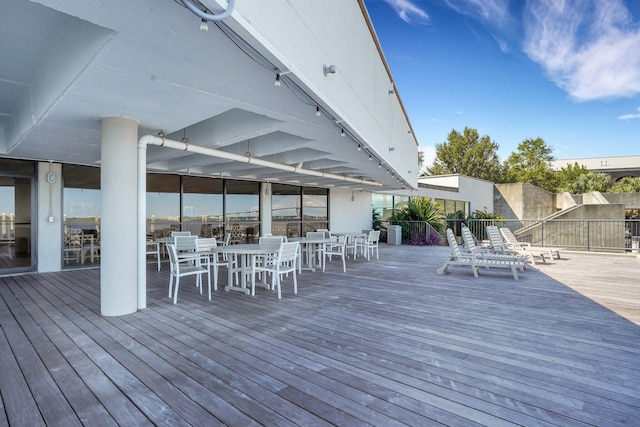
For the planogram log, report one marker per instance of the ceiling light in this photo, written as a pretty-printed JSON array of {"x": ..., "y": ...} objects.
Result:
[
  {"x": 318, "y": 114},
  {"x": 342, "y": 132},
  {"x": 277, "y": 82},
  {"x": 370, "y": 158},
  {"x": 359, "y": 147},
  {"x": 204, "y": 26},
  {"x": 379, "y": 165}
]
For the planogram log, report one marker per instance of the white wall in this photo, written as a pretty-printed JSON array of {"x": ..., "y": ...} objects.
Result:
[
  {"x": 477, "y": 192},
  {"x": 311, "y": 34},
  {"x": 49, "y": 204},
  {"x": 348, "y": 215}
]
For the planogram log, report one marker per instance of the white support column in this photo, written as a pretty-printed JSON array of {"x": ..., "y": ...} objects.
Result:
[
  {"x": 119, "y": 225},
  {"x": 265, "y": 208}
]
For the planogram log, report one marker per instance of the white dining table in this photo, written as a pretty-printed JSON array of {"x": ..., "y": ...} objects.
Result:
[
  {"x": 313, "y": 248},
  {"x": 245, "y": 257}
]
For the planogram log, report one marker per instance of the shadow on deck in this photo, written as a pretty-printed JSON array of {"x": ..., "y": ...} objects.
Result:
[{"x": 388, "y": 343}]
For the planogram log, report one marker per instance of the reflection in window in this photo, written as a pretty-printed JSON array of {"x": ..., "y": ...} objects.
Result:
[
  {"x": 382, "y": 204},
  {"x": 296, "y": 210},
  {"x": 163, "y": 204},
  {"x": 202, "y": 206},
  {"x": 242, "y": 206},
  {"x": 81, "y": 196},
  {"x": 81, "y": 209}
]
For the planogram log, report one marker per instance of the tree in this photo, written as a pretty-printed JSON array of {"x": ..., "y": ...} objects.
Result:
[
  {"x": 531, "y": 164},
  {"x": 627, "y": 184},
  {"x": 591, "y": 181},
  {"x": 420, "y": 161},
  {"x": 467, "y": 154},
  {"x": 566, "y": 176}
]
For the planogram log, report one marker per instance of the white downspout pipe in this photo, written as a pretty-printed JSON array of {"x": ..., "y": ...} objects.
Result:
[
  {"x": 142, "y": 225},
  {"x": 209, "y": 16},
  {"x": 156, "y": 140}
]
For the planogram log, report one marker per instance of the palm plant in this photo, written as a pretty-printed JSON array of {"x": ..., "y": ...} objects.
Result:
[{"x": 421, "y": 209}]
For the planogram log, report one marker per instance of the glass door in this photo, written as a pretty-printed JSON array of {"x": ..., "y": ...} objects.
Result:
[{"x": 16, "y": 232}]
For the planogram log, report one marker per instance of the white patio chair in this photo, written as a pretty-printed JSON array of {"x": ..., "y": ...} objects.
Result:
[
  {"x": 284, "y": 264},
  {"x": 180, "y": 233},
  {"x": 208, "y": 245},
  {"x": 315, "y": 250},
  {"x": 270, "y": 242},
  {"x": 73, "y": 246},
  {"x": 191, "y": 266},
  {"x": 153, "y": 248},
  {"x": 185, "y": 243},
  {"x": 338, "y": 248},
  {"x": 368, "y": 244}
]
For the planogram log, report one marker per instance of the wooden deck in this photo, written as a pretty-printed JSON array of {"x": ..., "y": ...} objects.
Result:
[{"x": 388, "y": 343}]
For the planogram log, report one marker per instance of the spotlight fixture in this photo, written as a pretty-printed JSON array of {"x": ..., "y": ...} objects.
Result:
[
  {"x": 370, "y": 157},
  {"x": 329, "y": 69},
  {"x": 277, "y": 82},
  {"x": 318, "y": 113},
  {"x": 342, "y": 132},
  {"x": 379, "y": 165},
  {"x": 204, "y": 26},
  {"x": 359, "y": 147}
]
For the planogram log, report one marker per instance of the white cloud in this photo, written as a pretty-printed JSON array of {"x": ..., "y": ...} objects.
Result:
[
  {"x": 630, "y": 116},
  {"x": 494, "y": 12},
  {"x": 409, "y": 12},
  {"x": 588, "y": 48}
]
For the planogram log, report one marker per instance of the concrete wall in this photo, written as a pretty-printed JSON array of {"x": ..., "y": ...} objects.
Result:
[
  {"x": 523, "y": 201},
  {"x": 630, "y": 200},
  {"x": 578, "y": 228}
]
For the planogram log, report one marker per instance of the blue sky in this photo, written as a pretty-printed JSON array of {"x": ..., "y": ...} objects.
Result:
[{"x": 565, "y": 71}]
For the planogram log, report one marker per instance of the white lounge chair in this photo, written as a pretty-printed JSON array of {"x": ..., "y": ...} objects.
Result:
[
  {"x": 499, "y": 245},
  {"x": 488, "y": 253},
  {"x": 459, "y": 258},
  {"x": 512, "y": 242}
]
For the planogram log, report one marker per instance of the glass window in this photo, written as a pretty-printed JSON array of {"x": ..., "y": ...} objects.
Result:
[
  {"x": 286, "y": 210},
  {"x": 82, "y": 210},
  {"x": 163, "y": 204},
  {"x": 285, "y": 203},
  {"x": 400, "y": 202},
  {"x": 242, "y": 210},
  {"x": 315, "y": 208},
  {"x": 81, "y": 196},
  {"x": 382, "y": 205},
  {"x": 202, "y": 206},
  {"x": 296, "y": 210}
]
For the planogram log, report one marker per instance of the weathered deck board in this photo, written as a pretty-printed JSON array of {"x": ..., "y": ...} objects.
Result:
[{"x": 388, "y": 343}]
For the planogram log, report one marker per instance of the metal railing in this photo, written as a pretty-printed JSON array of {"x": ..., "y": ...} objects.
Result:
[
  {"x": 413, "y": 232},
  {"x": 593, "y": 235}
]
